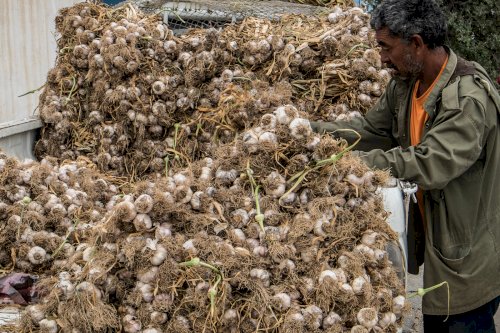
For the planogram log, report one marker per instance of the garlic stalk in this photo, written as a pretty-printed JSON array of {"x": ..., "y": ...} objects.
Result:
[
  {"x": 421, "y": 292},
  {"x": 212, "y": 292},
  {"x": 299, "y": 177},
  {"x": 259, "y": 217}
]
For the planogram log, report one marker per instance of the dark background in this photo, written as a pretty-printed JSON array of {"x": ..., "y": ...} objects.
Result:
[{"x": 111, "y": 2}]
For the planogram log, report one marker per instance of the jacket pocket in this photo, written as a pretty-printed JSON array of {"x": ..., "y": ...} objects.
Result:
[
  {"x": 451, "y": 237},
  {"x": 455, "y": 265}
]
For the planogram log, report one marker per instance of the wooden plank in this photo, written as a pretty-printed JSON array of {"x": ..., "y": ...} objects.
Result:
[{"x": 8, "y": 318}]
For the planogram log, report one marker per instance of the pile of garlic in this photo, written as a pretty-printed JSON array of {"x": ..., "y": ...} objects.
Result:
[
  {"x": 243, "y": 204},
  {"x": 203, "y": 248},
  {"x": 135, "y": 99},
  {"x": 42, "y": 204}
]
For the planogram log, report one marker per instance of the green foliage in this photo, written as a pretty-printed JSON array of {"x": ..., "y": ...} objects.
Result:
[{"x": 473, "y": 30}]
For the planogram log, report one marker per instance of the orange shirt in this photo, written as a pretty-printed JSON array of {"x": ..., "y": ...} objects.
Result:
[{"x": 418, "y": 117}]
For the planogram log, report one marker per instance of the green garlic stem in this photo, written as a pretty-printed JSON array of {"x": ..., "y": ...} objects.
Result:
[
  {"x": 259, "y": 217},
  {"x": 176, "y": 127},
  {"x": 65, "y": 239},
  {"x": 212, "y": 293},
  {"x": 197, "y": 262},
  {"x": 166, "y": 159},
  {"x": 421, "y": 292},
  {"x": 300, "y": 176}
]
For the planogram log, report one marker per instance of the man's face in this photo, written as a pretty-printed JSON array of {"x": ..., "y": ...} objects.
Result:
[{"x": 398, "y": 55}]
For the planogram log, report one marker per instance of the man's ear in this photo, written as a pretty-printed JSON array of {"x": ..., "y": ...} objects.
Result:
[{"x": 417, "y": 41}]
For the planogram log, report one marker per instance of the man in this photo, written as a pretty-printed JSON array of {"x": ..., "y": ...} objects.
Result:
[{"x": 437, "y": 125}]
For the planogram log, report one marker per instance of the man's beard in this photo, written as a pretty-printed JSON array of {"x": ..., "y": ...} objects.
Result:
[{"x": 411, "y": 68}]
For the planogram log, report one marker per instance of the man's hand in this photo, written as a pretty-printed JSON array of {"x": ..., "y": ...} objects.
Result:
[{"x": 322, "y": 127}]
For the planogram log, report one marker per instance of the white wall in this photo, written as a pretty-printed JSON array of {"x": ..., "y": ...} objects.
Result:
[{"x": 27, "y": 52}]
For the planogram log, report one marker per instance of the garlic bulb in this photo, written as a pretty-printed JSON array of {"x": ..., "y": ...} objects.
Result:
[
  {"x": 331, "y": 319},
  {"x": 149, "y": 275},
  {"x": 152, "y": 330},
  {"x": 312, "y": 143},
  {"x": 159, "y": 256},
  {"x": 240, "y": 217},
  {"x": 359, "y": 329},
  {"x": 163, "y": 230},
  {"x": 226, "y": 176},
  {"x": 37, "y": 255},
  {"x": 323, "y": 220},
  {"x": 328, "y": 275},
  {"x": 376, "y": 89},
  {"x": 189, "y": 247},
  {"x": 268, "y": 138},
  {"x": 35, "y": 312},
  {"x": 158, "y": 317},
  {"x": 142, "y": 222},
  {"x": 368, "y": 317},
  {"x": 48, "y": 325},
  {"x": 313, "y": 316},
  {"x": 288, "y": 199},
  {"x": 365, "y": 250},
  {"x": 230, "y": 317},
  {"x": 146, "y": 291},
  {"x": 143, "y": 204},
  {"x": 260, "y": 251},
  {"x": 158, "y": 87},
  {"x": 398, "y": 304},
  {"x": 67, "y": 288},
  {"x": 125, "y": 210},
  {"x": 379, "y": 255},
  {"x": 364, "y": 100},
  {"x": 251, "y": 141},
  {"x": 369, "y": 238},
  {"x": 387, "y": 319},
  {"x": 281, "y": 301},
  {"x": 90, "y": 288},
  {"x": 300, "y": 128},
  {"x": 346, "y": 287},
  {"x": 268, "y": 122},
  {"x": 241, "y": 251},
  {"x": 183, "y": 194},
  {"x": 384, "y": 75},
  {"x": 295, "y": 319},
  {"x": 372, "y": 56},
  {"x": 359, "y": 284},
  {"x": 237, "y": 236},
  {"x": 275, "y": 184},
  {"x": 335, "y": 15},
  {"x": 131, "y": 324},
  {"x": 340, "y": 275},
  {"x": 196, "y": 200},
  {"x": 88, "y": 253},
  {"x": 284, "y": 114},
  {"x": 262, "y": 275},
  {"x": 287, "y": 265}
]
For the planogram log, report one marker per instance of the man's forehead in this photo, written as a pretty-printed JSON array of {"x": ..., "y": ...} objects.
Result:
[{"x": 384, "y": 36}]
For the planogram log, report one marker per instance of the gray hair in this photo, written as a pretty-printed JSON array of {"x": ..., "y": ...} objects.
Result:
[{"x": 405, "y": 18}]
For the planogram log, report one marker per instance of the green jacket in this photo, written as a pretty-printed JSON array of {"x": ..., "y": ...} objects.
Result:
[{"x": 457, "y": 164}]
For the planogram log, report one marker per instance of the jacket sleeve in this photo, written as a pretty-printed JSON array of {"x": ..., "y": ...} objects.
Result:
[
  {"x": 446, "y": 151},
  {"x": 375, "y": 128}
]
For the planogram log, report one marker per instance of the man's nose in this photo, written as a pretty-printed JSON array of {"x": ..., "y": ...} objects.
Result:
[{"x": 384, "y": 58}]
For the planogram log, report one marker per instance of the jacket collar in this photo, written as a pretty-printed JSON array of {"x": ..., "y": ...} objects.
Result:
[{"x": 435, "y": 95}]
